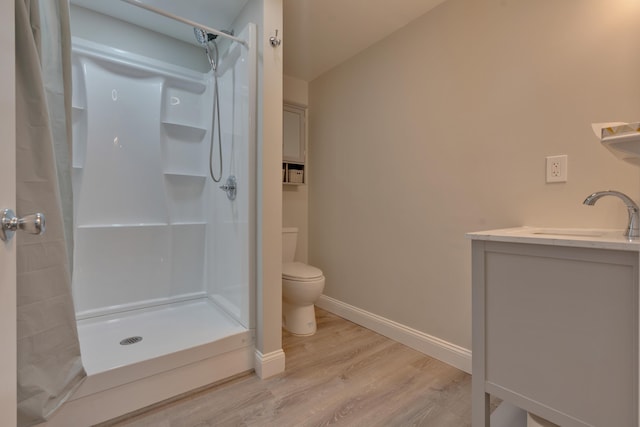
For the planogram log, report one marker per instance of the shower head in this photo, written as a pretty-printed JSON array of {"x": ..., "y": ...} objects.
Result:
[{"x": 202, "y": 36}]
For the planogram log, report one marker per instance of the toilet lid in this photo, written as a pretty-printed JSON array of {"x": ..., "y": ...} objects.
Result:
[{"x": 298, "y": 270}]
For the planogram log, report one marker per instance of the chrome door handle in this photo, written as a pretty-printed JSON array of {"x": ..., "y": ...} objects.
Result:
[{"x": 32, "y": 224}]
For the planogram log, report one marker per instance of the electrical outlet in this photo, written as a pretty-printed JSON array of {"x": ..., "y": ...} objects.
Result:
[{"x": 557, "y": 168}]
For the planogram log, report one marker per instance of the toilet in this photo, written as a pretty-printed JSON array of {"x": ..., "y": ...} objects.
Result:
[{"x": 302, "y": 285}]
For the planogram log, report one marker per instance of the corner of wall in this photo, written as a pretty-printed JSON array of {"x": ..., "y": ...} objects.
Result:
[{"x": 295, "y": 90}]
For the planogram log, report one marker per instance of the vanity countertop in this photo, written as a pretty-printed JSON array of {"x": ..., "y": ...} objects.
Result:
[{"x": 575, "y": 237}]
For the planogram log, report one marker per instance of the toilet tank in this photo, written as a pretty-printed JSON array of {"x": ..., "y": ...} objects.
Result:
[{"x": 289, "y": 241}]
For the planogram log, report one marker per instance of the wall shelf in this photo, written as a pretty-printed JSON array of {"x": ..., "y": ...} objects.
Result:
[
  {"x": 184, "y": 131},
  {"x": 293, "y": 173}
]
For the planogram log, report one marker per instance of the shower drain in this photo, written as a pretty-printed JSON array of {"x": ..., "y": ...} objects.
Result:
[{"x": 130, "y": 340}]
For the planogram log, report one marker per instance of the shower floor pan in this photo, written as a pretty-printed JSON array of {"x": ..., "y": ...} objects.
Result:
[{"x": 164, "y": 330}]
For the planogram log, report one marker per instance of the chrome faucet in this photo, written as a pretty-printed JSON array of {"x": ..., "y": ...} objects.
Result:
[{"x": 632, "y": 208}]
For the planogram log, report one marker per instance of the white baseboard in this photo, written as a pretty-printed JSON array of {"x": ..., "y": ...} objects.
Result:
[
  {"x": 270, "y": 364},
  {"x": 444, "y": 351}
]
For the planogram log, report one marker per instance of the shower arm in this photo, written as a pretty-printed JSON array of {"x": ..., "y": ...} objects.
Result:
[{"x": 185, "y": 21}]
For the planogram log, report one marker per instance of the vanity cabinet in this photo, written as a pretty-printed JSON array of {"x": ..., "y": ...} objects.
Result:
[
  {"x": 555, "y": 326},
  {"x": 294, "y": 136}
]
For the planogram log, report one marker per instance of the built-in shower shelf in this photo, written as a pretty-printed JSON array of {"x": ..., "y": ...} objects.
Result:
[
  {"x": 187, "y": 175},
  {"x": 77, "y": 108},
  {"x": 198, "y": 223},
  {"x": 140, "y": 225},
  {"x": 184, "y": 131}
]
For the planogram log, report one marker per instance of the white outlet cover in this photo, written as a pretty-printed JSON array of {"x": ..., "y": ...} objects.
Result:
[{"x": 557, "y": 168}]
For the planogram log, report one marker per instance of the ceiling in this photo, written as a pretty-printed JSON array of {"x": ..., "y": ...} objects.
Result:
[{"x": 320, "y": 34}]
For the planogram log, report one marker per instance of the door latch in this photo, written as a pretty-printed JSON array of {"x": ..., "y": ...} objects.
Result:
[{"x": 32, "y": 224}]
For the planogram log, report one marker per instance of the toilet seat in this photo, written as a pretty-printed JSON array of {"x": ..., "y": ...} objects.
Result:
[{"x": 300, "y": 272}]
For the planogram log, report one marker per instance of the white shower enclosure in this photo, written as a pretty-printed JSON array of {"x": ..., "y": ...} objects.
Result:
[{"x": 163, "y": 259}]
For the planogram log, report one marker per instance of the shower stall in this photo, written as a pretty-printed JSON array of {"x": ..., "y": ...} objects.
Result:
[{"x": 164, "y": 264}]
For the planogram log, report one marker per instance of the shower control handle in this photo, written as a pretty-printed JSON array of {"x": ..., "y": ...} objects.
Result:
[
  {"x": 230, "y": 187},
  {"x": 10, "y": 223}
]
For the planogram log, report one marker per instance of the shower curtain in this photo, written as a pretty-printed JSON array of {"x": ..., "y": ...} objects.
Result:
[{"x": 49, "y": 363}]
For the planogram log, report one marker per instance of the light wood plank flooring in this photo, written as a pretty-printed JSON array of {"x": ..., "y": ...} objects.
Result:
[{"x": 344, "y": 375}]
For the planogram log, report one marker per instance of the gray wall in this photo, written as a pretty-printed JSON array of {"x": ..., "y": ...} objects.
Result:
[{"x": 443, "y": 128}]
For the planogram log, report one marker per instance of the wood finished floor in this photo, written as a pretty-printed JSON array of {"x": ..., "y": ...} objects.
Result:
[{"x": 344, "y": 375}]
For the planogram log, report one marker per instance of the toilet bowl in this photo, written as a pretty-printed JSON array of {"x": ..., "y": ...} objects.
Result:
[{"x": 302, "y": 285}]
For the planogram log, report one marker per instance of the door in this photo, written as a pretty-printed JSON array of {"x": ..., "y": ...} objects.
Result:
[{"x": 7, "y": 200}]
